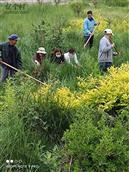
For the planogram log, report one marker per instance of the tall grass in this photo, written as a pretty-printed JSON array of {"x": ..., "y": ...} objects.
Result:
[
  {"x": 25, "y": 122},
  {"x": 23, "y": 24}
]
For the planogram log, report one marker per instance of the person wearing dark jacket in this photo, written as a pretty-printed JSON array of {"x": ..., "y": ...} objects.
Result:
[
  {"x": 10, "y": 54},
  {"x": 57, "y": 56}
]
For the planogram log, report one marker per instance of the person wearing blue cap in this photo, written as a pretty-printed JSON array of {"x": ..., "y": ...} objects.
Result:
[{"x": 10, "y": 54}]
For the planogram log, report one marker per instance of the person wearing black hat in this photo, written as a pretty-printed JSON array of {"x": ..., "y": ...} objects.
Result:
[{"x": 10, "y": 54}]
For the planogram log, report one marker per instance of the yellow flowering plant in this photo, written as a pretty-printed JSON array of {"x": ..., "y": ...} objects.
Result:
[{"x": 103, "y": 92}]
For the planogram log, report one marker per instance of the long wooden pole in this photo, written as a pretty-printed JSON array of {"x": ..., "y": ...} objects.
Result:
[
  {"x": 18, "y": 70},
  {"x": 89, "y": 37}
]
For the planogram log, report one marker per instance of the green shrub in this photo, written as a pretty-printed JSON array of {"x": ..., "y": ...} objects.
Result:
[
  {"x": 98, "y": 142},
  {"x": 17, "y": 141},
  {"x": 39, "y": 34},
  {"x": 98, "y": 138},
  {"x": 32, "y": 122},
  {"x": 77, "y": 8},
  {"x": 52, "y": 118},
  {"x": 117, "y": 3},
  {"x": 51, "y": 159}
]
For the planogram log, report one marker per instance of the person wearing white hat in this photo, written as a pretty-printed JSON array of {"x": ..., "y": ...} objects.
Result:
[
  {"x": 105, "y": 54},
  {"x": 39, "y": 56}
]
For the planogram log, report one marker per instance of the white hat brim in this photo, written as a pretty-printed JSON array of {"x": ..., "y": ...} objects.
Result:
[{"x": 42, "y": 52}]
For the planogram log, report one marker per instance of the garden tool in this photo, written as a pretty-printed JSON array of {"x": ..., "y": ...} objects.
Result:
[
  {"x": 89, "y": 38},
  {"x": 18, "y": 70},
  {"x": 115, "y": 48}
]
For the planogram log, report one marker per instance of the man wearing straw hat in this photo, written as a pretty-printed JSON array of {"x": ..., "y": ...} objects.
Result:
[{"x": 10, "y": 54}]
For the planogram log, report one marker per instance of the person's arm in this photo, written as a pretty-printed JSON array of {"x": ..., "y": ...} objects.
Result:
[
  {"x": 19, "y": 61},
  {"x": 37, "y": 63},
  {"x": 1, "y": 46},
  {"x": 115, "y": 53},
  {"x": 62, "y": 59},
  {"x": 34, "y": 59},
  {"x": 67, "y": 58},
  {"x": 96, "y": 23},
  {"x": 75, "y": 59},
  {"x": 86, "y": 29},
  {"x": 104, "y": 47}
]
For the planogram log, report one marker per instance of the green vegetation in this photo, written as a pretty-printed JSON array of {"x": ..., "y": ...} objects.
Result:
[{"x": 78, "y": 120}]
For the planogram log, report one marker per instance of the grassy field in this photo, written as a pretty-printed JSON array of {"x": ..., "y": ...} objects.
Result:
[
  {"x": 59, "y": 17},
  {"x": 34, "y": 119}
]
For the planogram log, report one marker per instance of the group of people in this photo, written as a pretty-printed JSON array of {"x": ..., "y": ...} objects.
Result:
[
  {"x": 57, "y": 56},
  {"x": 106, "y": 45},
  {"x": 10, "y": 54}
]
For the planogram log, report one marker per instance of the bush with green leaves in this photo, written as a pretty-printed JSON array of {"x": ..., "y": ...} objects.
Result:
[
  {"x": 98, "y": 138},
  {"x": 17, "y": 141},
  {"x": 97, "y": 142},
  {"x": 117, "y": 3},
  {"x": 51, "y": 159},
  {"x": 77, "y": 7},
  {"x": 32, "y": 123}
]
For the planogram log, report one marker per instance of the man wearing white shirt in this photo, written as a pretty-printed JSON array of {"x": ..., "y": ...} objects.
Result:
[{"x": 71, "y": 57}]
